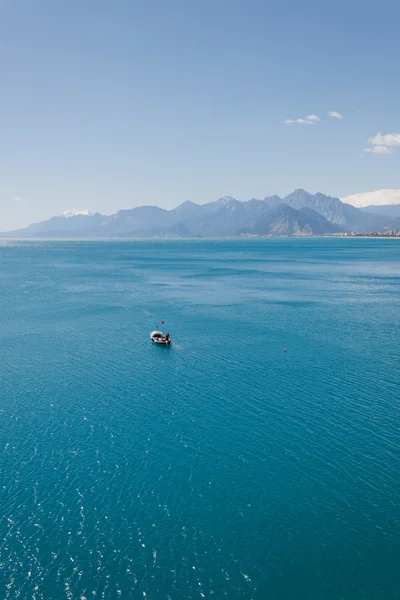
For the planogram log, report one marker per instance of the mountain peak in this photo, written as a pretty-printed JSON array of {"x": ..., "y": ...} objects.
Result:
[
  {"x": 299, "y": 193},
  {"x": 226, "y": 201},
  {"x": 274, "y": 197},
  {"x": 74, "y": 212},
  {"x": 187, "y": 204}
]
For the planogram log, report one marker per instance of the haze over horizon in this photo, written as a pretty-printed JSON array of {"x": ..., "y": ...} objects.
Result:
[{"x": 114, "y": 107}]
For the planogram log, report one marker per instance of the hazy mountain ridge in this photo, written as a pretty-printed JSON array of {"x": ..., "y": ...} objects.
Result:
[
  {"x": 287, "y": 221},
  {"x": 346, "y": 216},
  {"x": 299, "y": 213},
  {"x": 389, "y": 210}
]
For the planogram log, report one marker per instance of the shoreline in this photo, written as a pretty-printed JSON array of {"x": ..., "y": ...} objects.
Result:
[{"x": 204, "y": 239}]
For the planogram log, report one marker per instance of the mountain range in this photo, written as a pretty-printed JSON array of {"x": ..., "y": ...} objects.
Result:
[{"x": 299, "y": 213}]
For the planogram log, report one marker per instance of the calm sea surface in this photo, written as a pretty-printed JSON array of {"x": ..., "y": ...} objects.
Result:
[{"x": 222, "y": 467}]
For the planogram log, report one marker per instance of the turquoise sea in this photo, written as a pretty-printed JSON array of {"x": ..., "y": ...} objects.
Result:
[{"x": 222, "y": 467}]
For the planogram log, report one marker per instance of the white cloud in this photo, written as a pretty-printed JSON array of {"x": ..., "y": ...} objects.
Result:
[
  {"x": 383, "y": 144},
  {"x": 19, "y": 199},
  {"x": 377, "y": 198},
  {"x": 335, "y": 115},
  {"x": 379, "y": 150},
  {"x": 306, "y": 121},
  {"x": 313, "y": 118},
  {"x": 390, "y": 139}
]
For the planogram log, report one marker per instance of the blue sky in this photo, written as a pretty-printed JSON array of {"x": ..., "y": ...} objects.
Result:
[{"x": 108, "y": 105}]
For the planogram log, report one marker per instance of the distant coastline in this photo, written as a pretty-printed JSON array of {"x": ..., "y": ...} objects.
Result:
[
  {"x": 300, "y": 214},
  {"x": 200, "y": 239}
]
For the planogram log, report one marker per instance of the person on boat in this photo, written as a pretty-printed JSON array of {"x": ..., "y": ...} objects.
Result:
[{"x": 167, "y": 338}]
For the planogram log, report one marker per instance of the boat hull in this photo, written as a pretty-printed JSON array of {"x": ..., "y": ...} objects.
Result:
[{"x": 162, "y": 343}]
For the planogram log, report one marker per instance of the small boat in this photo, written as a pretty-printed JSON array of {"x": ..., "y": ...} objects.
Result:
[{"x": 157, "y": 337}]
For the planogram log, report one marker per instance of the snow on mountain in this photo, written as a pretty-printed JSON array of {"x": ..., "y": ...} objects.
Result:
[{"x": 75, "y": 211}]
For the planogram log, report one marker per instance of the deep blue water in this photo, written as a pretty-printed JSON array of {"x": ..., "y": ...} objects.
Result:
[{"x": 223, "y": 466}]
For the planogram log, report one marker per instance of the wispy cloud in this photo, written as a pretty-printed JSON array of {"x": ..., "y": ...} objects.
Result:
[
  {"x": 313, "y": 118},
  {"x": 383, "y": 143},
  {"x": 19, "y": 199},
  {"x": 336, "y": 115},
  {"x": 379, "y": 150},
  {"x": 310, "y": 120}
]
